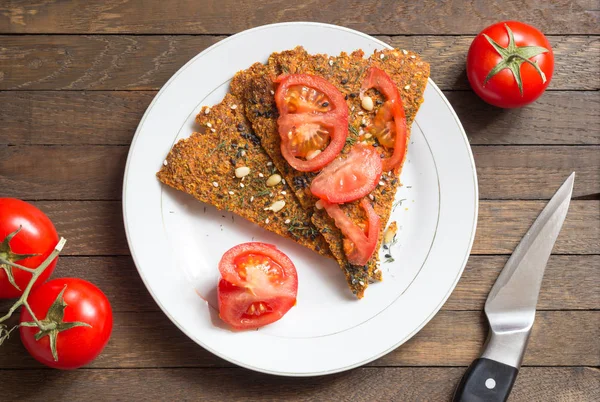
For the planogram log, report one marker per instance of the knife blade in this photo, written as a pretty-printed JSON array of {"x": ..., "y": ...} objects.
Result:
[{"x": 510, "y": 306}]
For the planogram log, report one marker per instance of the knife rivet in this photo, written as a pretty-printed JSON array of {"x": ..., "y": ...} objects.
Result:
[{"x": 490, "y": 383}]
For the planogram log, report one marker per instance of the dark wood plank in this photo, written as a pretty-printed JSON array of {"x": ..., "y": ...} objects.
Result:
[
  {"x": 111, "y": 118},
  {"x": 535, "y": 172},
  {"x": 57, "y": 172},
  {"x": 71, "y": 117},
  {"x": 113, "y": 62},
  {"x": 452, "y": 338},
  {"x": 512, "y": 172},
  {"x": 548, "y": 384},
  {"x": 95, "y": 62},
  {"x": 91, "y": 228},
  {"x": 570, "y": 282},
  {"x": 571, "y": 117},
  {"x": 501, "y": 226},
  {"x": 96, "y": 227},
  {"x": 229, "y": 16}
]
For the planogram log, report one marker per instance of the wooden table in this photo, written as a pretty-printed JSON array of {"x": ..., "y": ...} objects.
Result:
[{"x": 76, "y": 77}]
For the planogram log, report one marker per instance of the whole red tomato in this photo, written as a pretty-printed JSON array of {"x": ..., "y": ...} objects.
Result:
[
  {"x": 28, "y": 247},
  {"x": 510, "y": 64},
  {"x": 83, "y": 319}
]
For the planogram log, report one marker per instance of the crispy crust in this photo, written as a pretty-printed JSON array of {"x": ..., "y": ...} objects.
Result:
[
  {"x": 255, "y": 87},
  {"x": 211, "y": 156}
]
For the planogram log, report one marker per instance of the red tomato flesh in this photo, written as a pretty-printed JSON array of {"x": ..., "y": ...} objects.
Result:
[
  {"x": 37, "y": 236},
  {"x": 359, "y": 243},
  {"x": 258, "y": 285},
  {"x": 313, "y": 121},
  {"x": 389, "y": 125},
  {"x": 351, "y": 178}
]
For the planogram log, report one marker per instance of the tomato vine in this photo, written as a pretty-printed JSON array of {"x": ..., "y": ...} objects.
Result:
[{"x": 44, "y": 325}]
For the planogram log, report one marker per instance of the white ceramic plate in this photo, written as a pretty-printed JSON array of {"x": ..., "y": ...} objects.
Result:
[{"x": 176, "y": 242}]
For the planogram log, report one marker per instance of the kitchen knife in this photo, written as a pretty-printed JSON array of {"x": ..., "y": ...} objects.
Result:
[{"x": 510, "y": 306}]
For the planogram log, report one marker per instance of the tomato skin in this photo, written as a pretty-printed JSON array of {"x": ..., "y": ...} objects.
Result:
[
  {"x": 37, "y": 236},
  {"x": 393, "y": 108},
  {"x": 234, "y": 301},
  {"x": 334, "y": 118},
  {"x": 502, "y": 89},
  {"x": 339, "y": 132},
  {"x": 337, "y": 102},
  {"x": 351, "y": 178},
  {"x": 358, "y": 246},
  {"x": 258, "y": 285},
  {"x": 76, "y": 346}
]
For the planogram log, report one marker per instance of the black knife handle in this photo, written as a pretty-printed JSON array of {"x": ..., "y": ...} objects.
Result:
[{"x": 486, "y": 381}]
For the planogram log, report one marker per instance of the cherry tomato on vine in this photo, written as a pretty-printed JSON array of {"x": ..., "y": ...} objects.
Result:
[
  {"x": 510, "y": 64},
  {"x": 79, "y": 321},
  {"x": 27, "y": 237}
]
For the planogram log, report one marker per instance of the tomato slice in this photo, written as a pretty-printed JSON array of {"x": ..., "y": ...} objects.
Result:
[
  {"x": 358, "y": 246},
  {"x": 304, "y": 99},
  {"x": 305, "y": 93},
  {"x": 258, "y": 285},
  {"x": 351, "y": 178},
  {"x": 389, "y": 135},
  {"x": 313, "y": 121},
  {"x": 326, "y": 128}
]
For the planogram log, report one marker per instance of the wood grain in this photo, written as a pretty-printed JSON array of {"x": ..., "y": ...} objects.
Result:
[
  {"x": 91, "y": 228},
  {"x": 501, "y": 226},
  {"x": 111, "y": 118},
  {"x": 229, "y": 16},
  {"x": 451, "y": 338},
  {"x": 570, "y": 282},
  {"x": 513, "y": 172},
  {"x": 96, "y": 227},
  {"x": 556, "y": 118},
  {"x": 535, "y": 172},
  {"x": 71, "y": 117},
  {"x": 548, "y": 384},
  {"x": 115, "y": 62}
]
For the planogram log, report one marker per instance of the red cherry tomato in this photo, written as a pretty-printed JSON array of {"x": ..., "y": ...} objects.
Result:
[
  {"x": 510, "y": 64},
  {"x": 37, "y": 236},
  {"x": 351, "y": 178},
  {"x": 258, "y": 285},
  {"x": 313, "y": 121},
  {"x": 389, "y": 125},
  {"x": 359, "y": 243},
  {"x": 82, "y": 315}
]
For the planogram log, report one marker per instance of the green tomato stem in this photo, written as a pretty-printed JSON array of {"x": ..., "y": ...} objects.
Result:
[
  {"x": 12, "y": 264},
  {"x": 22, "y": 301}
]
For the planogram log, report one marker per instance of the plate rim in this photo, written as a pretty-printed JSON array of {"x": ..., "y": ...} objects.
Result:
[{"x": 136, "y": 136}]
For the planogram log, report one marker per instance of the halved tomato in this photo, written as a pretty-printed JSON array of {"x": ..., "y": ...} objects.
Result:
[
  {"x": 359, "y": 243},
  {"x": 305, "y": 93},
  {"x": 258, "y": 285},
  {"x": 392, "y": 111},
  {"x": 313, "y": 121},
  {"x": 351, "y": 178}
]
